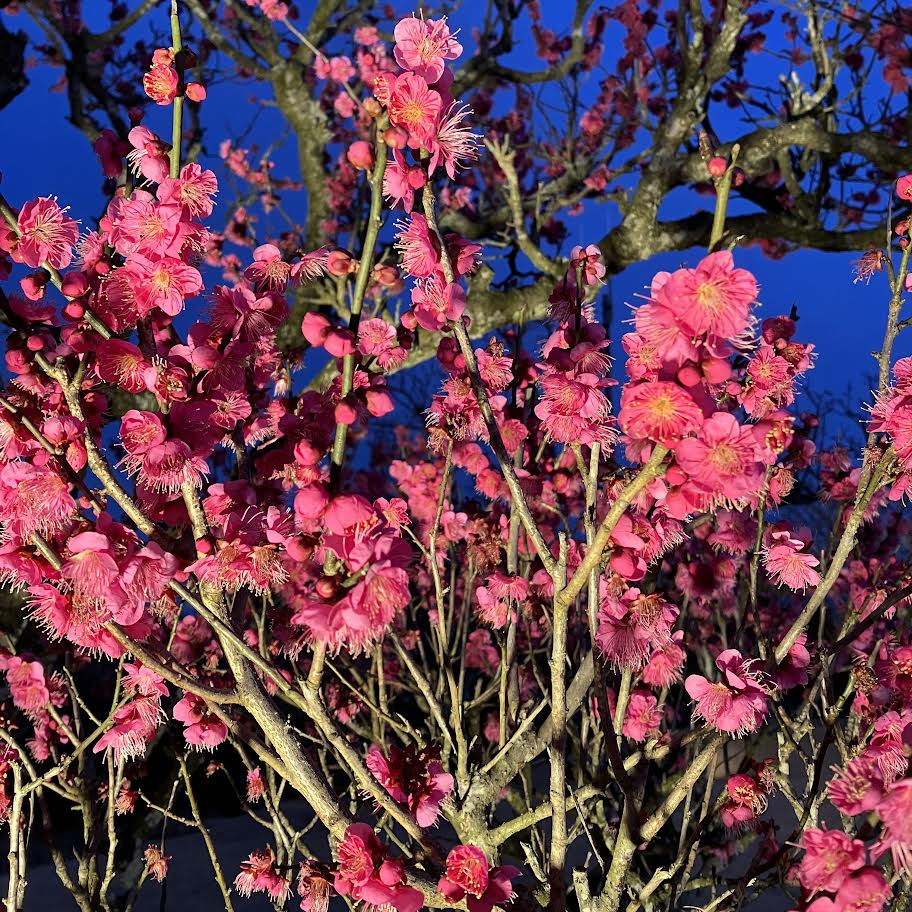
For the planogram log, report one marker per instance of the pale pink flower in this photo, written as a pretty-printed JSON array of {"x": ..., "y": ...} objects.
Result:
[
  {"x": 737, "y": 703},
  {"x": 418, "y": 247},
  {"x": 424, "y": 46},
  {"x": 787, "y": 563}
]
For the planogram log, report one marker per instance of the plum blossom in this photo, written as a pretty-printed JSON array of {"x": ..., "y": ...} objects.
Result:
[
  {"x": 469, "y": 876},
  {"x": 736, "y": 704},
  {"x": 412, "y": 777},
  {"x": 366, "y": 873},
  {"x": 787, "y": 563},
  {"x": 424, "y": 46},
  {"x": 46, "y": 234},
  {"x": 202, "y": 729},
  {"x": 259, "y": 875}
]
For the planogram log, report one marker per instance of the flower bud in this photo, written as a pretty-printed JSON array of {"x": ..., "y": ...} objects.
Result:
[
  {"x": 395, "y": 138},
  {"x": 74, "y": 285},
  {"x": 717, "y": 166},
  {"x": 326, "y": 587},
  {"x": 33, "y": 284},
  {"x": 196, "y": 92},
  {"x": 338, "y": 263},
  {"x": 386, "y": 275},
  {"x": 345, "y": 413},
  {"x": 361, "y": 155}
]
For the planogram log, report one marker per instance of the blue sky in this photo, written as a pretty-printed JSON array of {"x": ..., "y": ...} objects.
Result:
[{"x": 48, "y": 156}]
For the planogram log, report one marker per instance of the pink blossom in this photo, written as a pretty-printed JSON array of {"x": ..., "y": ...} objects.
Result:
[
  {"x": 436, "y": 303},
  {"x": 414, "y": 107},
  {"x": 193, "y": 190},
  {"x": 123, "y": 364},
  {"x": 418, "y": 247},
  {"x": 401, "y": 180},
  {"x": 202, "y": 729},
  {"x": 745, "y": 801},
  {"x": 858, "y": 787},
  {"x": 469, "y": 876},
  {"x": 573, "y": 409},
  {"x": 735, "y": 704},
  {"x": 34, "y": 499},
  {"x": 895, "y": 811},
  {"x": 365, "y": 872},
  {"x": 864, "y": 890},
  {"x": 149, "y": 157},
  {"x": 659, "y": 411},
  {"x": 260, "y": 875},
  {"x": 268, "y": 272},
  {"x": 452, "y": 144},
  {"x": 713, "y": 298},
  {"x": 46, "y": 234},
  {"x": 412, "y": 777},
  {"x": 27, "y": 684},
  {"x": 160, "y": 84},
  {"x": 424, "y": 46},
  {"x": 787, "y": 563},
  {"x": 589, "y": 261},
  {"x": 830, "y": 856},
  {"x": 722, "y": 458},
  {"x": 643, "y": 715},
  {"x": 163, "y": 283},
  {"x": 631, "y": 626},
  {"x": 133, "y": 726}
]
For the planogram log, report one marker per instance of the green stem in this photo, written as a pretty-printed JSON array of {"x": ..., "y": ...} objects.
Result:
[
  {"x": 365, "y": 268},
  {"x": 177, "y": 113},
  {"x": 723, "y": 190}
]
